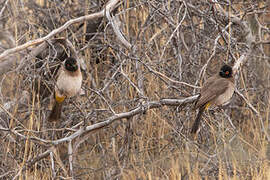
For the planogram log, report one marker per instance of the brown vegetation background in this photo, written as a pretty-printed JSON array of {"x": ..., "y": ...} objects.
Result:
[{"x": 143, "y": 64}]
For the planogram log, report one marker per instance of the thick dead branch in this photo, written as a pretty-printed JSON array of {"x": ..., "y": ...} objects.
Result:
[
  {"x": 109, "y": 7},
  {"x": 7, "y": 65},
  {"x": 140, "y": 109},
  {"x": 116, "y": 29}
]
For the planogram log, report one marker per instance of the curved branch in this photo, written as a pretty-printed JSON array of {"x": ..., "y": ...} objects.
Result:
[
  {"x": 140, "y": 109},
  {"x": 117, "y": 30},
  {"x": 110, "y": 5}
]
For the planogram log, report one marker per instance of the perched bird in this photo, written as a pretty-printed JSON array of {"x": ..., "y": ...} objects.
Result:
[
  {"x": 216, "y": 91},
  {"x": 68, "y": 84}
]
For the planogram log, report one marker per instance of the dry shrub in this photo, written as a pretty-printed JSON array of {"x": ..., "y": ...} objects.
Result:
[{"x": 175, "y": 39}]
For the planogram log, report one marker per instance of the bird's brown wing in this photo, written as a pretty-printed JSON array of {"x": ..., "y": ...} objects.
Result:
[
  {"x": 206, "y": 84},
  {"x": 211, "y": 90}
]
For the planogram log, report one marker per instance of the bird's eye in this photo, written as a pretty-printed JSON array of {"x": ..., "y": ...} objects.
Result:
[{"x": 227, "y": 72}]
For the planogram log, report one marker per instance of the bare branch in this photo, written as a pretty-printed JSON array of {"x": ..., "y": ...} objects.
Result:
[
  {"x": 52, "y": 164},
  {"x": 140, "y": 109},
  {"x": 70, "y": 158},
  {"x": 8, "y": 64},
  {"x": 110, "y": 5},
  {"x": 3, "y": 8},
  {"x": 116, "y": 29},
  {"x": 143, "y": 108}
]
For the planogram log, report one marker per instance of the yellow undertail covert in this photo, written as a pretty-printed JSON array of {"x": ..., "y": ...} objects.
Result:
[{"x": 59, "y": 99}]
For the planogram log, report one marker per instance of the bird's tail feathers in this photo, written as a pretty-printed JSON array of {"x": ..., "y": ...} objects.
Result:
[
  {"x": 196, "y": 123},
  {"x": 56, "y": 112}
]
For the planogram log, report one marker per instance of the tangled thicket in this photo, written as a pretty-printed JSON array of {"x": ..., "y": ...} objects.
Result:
[{"x": 143, "y": 63}]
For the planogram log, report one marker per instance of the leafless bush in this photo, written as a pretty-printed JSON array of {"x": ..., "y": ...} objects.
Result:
[{"x": 143, "y": 64}]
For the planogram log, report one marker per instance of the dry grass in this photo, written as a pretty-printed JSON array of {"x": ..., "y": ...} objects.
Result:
[{"x": 155, "y": 144}]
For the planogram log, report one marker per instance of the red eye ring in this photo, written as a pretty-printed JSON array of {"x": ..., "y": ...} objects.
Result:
[{"x": 227, "y": 72}]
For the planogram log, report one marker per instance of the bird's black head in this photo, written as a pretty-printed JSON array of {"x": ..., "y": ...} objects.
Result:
[
  {"x": 226, "y": 71},
  {"x": 71, "y": 64}
]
